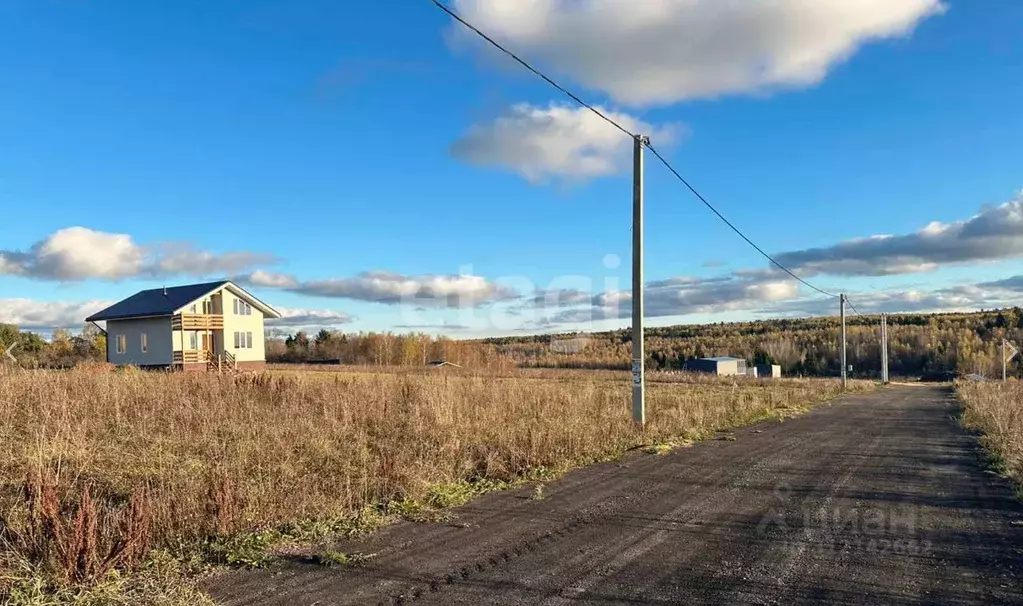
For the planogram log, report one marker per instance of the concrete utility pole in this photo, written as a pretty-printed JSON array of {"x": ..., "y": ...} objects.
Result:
[
  {"x": 1007, "y": 357},
  {"x": 845, "y": 369},
  {"x": 638, "y": 353},
  {"x": 884, "y": 348}
]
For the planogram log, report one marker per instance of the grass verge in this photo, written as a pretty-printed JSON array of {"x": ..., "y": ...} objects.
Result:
[{"x": 996, "y": 411}]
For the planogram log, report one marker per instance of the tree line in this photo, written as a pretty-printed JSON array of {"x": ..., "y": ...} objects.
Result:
[
  {"x": 919, "y": 344},
  {"x": 382, "y": 349},
  {"x": 63, "y": 350}
]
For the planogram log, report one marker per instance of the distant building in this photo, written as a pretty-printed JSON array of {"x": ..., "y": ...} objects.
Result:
[
  {"x": 721, "y": 366},
  {"x": 442, "y": 363},
  {"x": 569, "y": 346},
  {"x": 751, "y": 372},
  {"x": 768, "y": 371}
]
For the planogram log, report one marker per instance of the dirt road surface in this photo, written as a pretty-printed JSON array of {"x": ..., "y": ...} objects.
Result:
[{"x": 880, "y": 498}]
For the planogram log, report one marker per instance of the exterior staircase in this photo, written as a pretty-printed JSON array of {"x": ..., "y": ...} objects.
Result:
[{"x": 221, "y": 362}]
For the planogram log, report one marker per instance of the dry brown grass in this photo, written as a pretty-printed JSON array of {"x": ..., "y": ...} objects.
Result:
[
  {"x": 119, "y": 458},
  {"x": 996, "y": 409}
]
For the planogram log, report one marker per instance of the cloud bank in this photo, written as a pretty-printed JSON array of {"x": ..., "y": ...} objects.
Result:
[
  {"x": 666, "y": 51},
  {"x": 28, "y": 314},
  {"x": 455, "y": 291},
  {"x": 672, "y": 297},
  {"x": 993, "y": 234},
  {"x": 80, "y": 253}
]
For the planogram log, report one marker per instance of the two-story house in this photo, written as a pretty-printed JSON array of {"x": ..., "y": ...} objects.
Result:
[{"x": 214, "y": 325}]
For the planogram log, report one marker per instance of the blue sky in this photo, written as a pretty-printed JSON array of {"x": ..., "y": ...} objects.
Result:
[{"x": 369, "y": 166}]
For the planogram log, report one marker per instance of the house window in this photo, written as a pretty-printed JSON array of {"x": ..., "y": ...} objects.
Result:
[
  {"x": 192, "y": 308},
  {"x": 193, "y": 340},
  {"x": 122, "y": 343},
  {"x": 145, "y": 343},
  {"x": 241, "y": 308},
  {"x": 243, "y": 340}
]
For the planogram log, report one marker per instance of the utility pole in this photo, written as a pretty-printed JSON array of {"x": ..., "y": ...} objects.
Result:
[
  {"x": 1009, "y": 352},
  {"x": 841, "y": 308},
  {"x": 884, "y": 349},
  {"x": 1004, "y": 364},
  {"x": 638, "y": 353}
]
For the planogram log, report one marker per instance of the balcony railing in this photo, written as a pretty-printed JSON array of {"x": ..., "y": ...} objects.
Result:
[
  {"x": 197, "y": 322},
  {"x": 189, "y": 356}
]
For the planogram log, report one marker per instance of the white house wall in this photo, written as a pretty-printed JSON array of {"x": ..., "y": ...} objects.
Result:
[{"x": 158, "y": 336}]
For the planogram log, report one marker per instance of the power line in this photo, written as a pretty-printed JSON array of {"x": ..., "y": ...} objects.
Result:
[
  {"x": 575, "y": 98},
  {"x": 526, "y": 65},
  {"x": 732, "y": 226}
]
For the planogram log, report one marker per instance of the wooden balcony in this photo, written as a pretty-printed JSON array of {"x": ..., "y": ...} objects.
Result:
[
  {"x": 189, "y": 356},
  {"x": 197, "y": 322}
]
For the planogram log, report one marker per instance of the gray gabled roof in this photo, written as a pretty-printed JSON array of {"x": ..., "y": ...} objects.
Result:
[
  {"x": 156, "y": 301},
  {"x": 166, "y": 301}
]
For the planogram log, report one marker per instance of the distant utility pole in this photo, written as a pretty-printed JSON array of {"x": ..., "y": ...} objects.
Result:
[
  {"x": 884, "y": 348},
  {"x": 638, "y": 355},
  {"x": 1007, "y": 356},
  {"x": 841, "y": 308}
]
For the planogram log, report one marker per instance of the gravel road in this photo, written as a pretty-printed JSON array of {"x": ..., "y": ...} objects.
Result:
[{"x": 878, "y": 498}]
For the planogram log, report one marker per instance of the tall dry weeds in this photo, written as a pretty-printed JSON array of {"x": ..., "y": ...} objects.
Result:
[
  {"x": 996, "y": 409},
  {"x": 132, "y": 459}
]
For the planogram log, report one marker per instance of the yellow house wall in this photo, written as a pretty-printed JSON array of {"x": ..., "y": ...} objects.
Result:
[{"x": 252, "y": 323}]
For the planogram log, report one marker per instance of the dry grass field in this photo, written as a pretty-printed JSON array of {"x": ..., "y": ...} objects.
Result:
[
  {"x": 996, "y": 410},
  {"x": 111, "y": 471}
]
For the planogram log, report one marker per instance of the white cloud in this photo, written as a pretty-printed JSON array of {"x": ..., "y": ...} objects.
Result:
[
  {"x": 27, "y": 314},
  {"x": 270, "y": 279},
  {"x": 544, "y": 143},
  {"x": 185, "y": 260},
  {"x": 80, "y": 253},
  {"x": 663, "y": 51},
  {"x": 320, "y": 318},
  {"x": 674, "y": 297},
  {"x": 77, "y": 253},
  {"x": 392, "y": 288},
  {"x": 956, "y": 298},
  {"x": 995, "y": 233}
]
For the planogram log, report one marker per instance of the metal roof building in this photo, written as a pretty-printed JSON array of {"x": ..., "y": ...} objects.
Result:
[
  {"x": 155, "y": 302},
  {"x": 723, "y": 366}
]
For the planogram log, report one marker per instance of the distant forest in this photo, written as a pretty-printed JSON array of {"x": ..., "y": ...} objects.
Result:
[{"x": 918, "y": 344}]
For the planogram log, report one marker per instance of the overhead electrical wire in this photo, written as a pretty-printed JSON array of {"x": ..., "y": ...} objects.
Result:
[
  {"x": 624, "y": 130},
  {"x": 731, "y": 225},
  {"x": 526, "y": 65}
]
